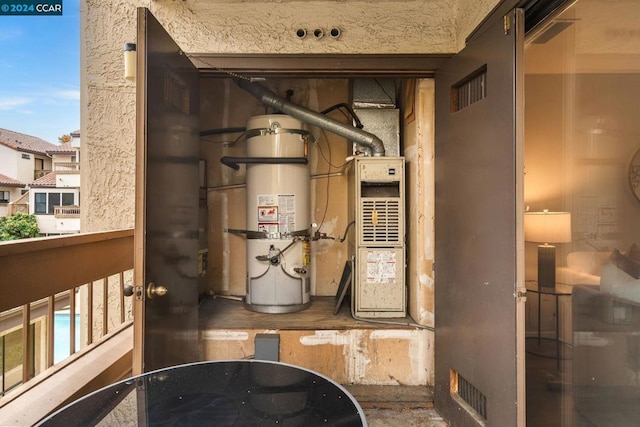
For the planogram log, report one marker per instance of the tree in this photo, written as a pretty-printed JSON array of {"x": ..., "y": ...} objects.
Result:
[
  {"x": 64, "y": 138},
  {"x": 18, "y": 226}
]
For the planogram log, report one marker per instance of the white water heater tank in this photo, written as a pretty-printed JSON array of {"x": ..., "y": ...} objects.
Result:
[{"x": 278, "y": 185}]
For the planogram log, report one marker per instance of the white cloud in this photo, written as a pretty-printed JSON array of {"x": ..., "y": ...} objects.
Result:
[
  {"x": 11, "y": 103},
  {"x": 72, "y": 94}
]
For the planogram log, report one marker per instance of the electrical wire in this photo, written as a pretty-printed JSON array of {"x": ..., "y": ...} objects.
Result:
[
  {"x": 389, "y": 322},
  {"x": 325, "y": 158},
  {"x": 346, "y": 230},
  {"x": 326, "y": 202},
  {"x": 352, "y": 114},
  {"x": 344, "y": 237}
]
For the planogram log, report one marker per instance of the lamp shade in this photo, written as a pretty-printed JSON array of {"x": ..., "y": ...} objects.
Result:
[{"x": 547, "y": 227}]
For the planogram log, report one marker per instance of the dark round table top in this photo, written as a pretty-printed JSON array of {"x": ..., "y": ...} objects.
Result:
[{"x": 220, "y": 393}]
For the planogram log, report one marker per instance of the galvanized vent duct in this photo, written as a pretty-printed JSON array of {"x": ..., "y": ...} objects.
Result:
[{"x": 270, "y": 99}]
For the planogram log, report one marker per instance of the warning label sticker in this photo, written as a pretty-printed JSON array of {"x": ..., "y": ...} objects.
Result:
[
  {"x": 277, "y": 213},
  {"x": 268, "y": 214},
  {"x": 381, "y": 267}
]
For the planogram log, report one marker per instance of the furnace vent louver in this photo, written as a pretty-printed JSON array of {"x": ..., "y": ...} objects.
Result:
[{"x": 381, "y": 221}]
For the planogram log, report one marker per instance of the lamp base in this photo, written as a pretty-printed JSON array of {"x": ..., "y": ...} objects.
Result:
[{"x": 546, "y": 266}]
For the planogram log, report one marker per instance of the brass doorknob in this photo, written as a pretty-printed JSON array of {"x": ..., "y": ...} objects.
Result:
[{"x": 154, "y": 290}]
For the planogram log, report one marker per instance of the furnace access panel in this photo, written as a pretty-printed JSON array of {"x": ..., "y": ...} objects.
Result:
[{"x": 378, "y": 197}]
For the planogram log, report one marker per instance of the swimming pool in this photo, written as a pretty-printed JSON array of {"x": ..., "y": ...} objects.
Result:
[{"x": 61, "y": 335}]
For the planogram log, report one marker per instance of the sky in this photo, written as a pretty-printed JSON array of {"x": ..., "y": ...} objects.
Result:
[{"x": 40, "y": 73}]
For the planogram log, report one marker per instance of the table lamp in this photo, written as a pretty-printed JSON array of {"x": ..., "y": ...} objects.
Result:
[{"x": 547, "y": 227}]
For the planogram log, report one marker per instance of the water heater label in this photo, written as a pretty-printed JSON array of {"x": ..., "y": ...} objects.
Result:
[
  {"x": 277, "y": 213},
  {"x": 381, "y": 267}
]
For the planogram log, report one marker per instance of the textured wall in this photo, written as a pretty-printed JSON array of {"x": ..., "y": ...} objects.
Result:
[
  {"x": 469, "y": 13},
  {"x": 107, "y": 116}
]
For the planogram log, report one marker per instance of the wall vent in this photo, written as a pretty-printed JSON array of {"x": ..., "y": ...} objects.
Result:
[
  {"x": 176, "y": 92},
  {"x": 469, "y": 90},
  {"x": 469, "y": 397}
]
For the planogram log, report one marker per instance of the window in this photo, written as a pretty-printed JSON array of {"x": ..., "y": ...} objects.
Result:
[
  {"x": 54, "y": 200},
  {"x": 45, "y": 203},
  {"x": 26, "y": 156},
  {"x": 4, "y": 197},
  {"x": 41, "y": 203}
]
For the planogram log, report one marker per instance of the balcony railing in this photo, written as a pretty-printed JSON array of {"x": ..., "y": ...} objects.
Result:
[
  {"x": 82, "y": 274},
  {"x": 66, "y": 167},
  {"x": 66, "y": 211},
  {"x": 14, "y": 208}
]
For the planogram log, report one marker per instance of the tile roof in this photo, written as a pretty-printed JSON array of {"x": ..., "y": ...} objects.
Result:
[
  {"x": 5, "y": 181},
  {"x": 21, "y": 142},
  {"x": 48, "y": 180},
  {"x": 64, "y": 148}
]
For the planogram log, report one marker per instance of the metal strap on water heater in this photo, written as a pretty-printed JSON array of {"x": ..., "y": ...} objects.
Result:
[
  {"x": 276, "y": 130},
  {"x": 234, "y": 162},
  {"x": 252, "y": 234}
]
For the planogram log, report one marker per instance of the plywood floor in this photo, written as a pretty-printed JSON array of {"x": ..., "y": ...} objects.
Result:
[{"x": 221, "y": 313}]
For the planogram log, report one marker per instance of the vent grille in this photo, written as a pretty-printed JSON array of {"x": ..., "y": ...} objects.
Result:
[
  {"x": 381, "y": 221},
  {"x": 470, "y": 90},
  {"x": 176, "y": 92},
  {"x": 472, "y": 399},
  {"x": 472, "y": 396}
]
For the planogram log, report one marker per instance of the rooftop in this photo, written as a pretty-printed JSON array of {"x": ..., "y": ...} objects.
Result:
[
  {"x": 48, "y": 180},
  {"x": 64, "y": 148},
  {"x": 5, "y": 181},
  {"x": 21, "y": 142}
]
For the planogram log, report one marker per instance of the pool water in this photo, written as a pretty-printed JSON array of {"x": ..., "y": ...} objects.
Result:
[{"x": 61, "y": 335}]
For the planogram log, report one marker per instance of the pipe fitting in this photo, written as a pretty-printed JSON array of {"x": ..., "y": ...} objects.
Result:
[
  {"x": 318, "y": 33},
  {"x": 335, "y": 33},
  {"x": 301, "y": 33}
]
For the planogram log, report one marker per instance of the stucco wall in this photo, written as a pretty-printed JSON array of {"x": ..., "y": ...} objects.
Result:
[{"x": 9, "y": 164}]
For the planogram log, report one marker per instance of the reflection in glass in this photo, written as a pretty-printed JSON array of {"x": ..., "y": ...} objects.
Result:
[
  {"x": 582, "y": 86},
  {"x": 224, "y": 393}
]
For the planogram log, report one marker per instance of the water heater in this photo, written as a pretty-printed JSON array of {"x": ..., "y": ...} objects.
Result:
[{"x": 278, "y": 185}]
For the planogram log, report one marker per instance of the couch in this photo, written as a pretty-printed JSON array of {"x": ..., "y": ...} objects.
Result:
[
  {"x": 606, "y": 344},
  {"x": 605, "y": 368}
]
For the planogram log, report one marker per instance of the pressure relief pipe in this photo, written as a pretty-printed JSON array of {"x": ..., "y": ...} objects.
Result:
[{"x": 270, "y": 99}]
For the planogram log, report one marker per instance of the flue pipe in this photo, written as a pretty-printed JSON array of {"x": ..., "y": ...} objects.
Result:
[{"x": 270, "y": 99}]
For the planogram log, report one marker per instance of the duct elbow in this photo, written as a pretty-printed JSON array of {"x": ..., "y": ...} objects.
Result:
[{"x": 377, "y": 147}]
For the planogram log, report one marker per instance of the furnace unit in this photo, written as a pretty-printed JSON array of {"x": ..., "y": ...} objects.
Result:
[{"x": 377, "y": 204}]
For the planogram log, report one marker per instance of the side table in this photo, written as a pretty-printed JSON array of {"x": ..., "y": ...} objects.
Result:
[{"x": 556, "y": 294}]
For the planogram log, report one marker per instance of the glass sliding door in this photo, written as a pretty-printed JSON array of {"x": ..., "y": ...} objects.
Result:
[{"x": 582, "y": 165}]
